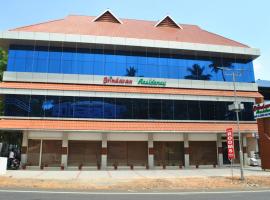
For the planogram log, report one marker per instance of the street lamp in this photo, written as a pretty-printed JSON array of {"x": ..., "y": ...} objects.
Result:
[{"x": 237, "y": 107}]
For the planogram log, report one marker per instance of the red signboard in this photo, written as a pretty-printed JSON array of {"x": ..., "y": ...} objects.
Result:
[{"x": 230, "y": 143}]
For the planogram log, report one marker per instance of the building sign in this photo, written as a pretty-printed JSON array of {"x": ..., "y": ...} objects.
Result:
[
  {"x": 131, "y": 81},
  {"x": 261, "y": 110},
  {"x": 151, "y": 82},
  {"x": 117, "y": 81},
  {"x": 230, "y": 143}
]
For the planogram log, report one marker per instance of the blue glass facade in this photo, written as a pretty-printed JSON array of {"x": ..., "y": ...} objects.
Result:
[
  {"x": 125, "y": 63},
  {"x": 121, "y": 108}
]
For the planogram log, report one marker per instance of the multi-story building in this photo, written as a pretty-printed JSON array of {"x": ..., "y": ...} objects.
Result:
[
  {"x": 264, "y": 122},
  {"x": 104, "y": 91},
  {"x": 264, "y": 89}
]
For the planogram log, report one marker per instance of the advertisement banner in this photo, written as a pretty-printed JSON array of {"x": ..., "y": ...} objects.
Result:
[{"x": 230, "y": 143}]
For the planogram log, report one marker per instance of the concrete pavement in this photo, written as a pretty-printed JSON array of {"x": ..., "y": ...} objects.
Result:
[{"x": 71, "y": 174}]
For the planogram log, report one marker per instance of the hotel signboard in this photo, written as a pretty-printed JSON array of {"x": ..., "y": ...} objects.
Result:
[
  {"x": 117, "y": 80},
  {"x": 261, "y": 110},
  {"x": 230, "y": 143},
  {"x": 132, "y": 81},
  {"x": 151, "y": 82}
]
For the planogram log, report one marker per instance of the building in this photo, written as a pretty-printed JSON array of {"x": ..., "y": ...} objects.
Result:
[
  {"x": 264, "y": 89},
  {"x": 264, "y": 123},
  {"x": 103, "y": 91}
]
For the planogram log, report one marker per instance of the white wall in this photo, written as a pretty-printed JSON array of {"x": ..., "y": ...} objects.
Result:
[
  {"x": 168, "y": 137},
  {"x": 202, "y": 137},
  {"x": 127, "y": 137}
]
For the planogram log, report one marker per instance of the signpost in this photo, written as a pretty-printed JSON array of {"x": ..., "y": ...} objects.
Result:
[{"x": 230, "y": 145}]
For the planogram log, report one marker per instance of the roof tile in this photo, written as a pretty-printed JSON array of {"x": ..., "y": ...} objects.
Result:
[
  {"x": 25, "y": 124},
  {"x": 131, "y": 28}
]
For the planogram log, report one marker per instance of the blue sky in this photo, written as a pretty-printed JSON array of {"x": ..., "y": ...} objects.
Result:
[{"x": 246, "y": 21}]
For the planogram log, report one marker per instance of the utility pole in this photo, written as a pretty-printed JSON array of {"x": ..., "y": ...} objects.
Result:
[{"x": 237, "y": 107}]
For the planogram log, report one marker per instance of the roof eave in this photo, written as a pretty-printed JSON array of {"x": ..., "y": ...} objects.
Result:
[{"x": 11, "y": 37}]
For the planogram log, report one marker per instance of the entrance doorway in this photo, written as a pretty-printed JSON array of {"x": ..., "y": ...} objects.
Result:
[
  {"x": 127, "y": 153},
  {"x": 44, "y": 152},
  {"x": 169, "y": 153}
]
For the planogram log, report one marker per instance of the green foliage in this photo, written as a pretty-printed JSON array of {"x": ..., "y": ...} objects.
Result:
[
  {"x": 3, "y": 65},
  {"x": 3, "y": 62}
]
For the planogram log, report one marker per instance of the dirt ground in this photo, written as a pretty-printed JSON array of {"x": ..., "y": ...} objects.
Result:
[{"x": 179, "y": 184}]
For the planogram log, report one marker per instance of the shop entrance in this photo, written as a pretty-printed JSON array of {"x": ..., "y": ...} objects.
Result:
[
  {"x": 203, "y": 152},
  {"x": 169, "y": 153},
  {"x": 44, "y": 152},
  {"x": 86, "y": 153},
  {"x": 127, "y": 153}
]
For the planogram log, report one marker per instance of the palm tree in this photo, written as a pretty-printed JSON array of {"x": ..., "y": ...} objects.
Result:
[
  {"x": 196, "y": 73},
  {"x": 131, "y": 71},
  {"x": 218, "y": 65}
]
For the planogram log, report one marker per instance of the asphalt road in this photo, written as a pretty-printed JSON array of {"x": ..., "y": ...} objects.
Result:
[{"x": 43, "y": 195}]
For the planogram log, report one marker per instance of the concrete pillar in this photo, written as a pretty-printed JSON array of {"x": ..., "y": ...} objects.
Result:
[
  {"x": 186, "y": 150},
  {"x": 245, "y": 154},
  {"x": 219, "y": 150},
  {"x": 104, "y": 151},
  {"x": 150, "y": 151},
  {"x": 24, "y": 147},
  {"x": 64, "y": 149}
]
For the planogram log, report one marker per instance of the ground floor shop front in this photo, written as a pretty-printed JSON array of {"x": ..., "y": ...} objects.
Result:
[{"x": 148, "y": 150}]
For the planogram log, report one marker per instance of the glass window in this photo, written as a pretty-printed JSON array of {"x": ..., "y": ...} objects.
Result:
[
  {"x": 140, "y": 108},
  {"x": 122, "y": 108},
  {"x": 155, "y": 109},
  {"x": 167, "y": 109},
  {"x": 181, "y": 110},
  {"x": 116, "y": 63}
]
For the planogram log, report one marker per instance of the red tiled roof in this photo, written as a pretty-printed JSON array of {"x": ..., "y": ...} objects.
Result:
[
  {"x": 24, "y": 124},
  {"x": 131, "y": 28},
  {"x": 127, "y": 89}
]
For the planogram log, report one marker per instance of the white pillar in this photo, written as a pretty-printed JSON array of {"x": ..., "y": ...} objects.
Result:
[
  {"x": 150, "y": 151},
  {"x": 245, "y": 154},
  {"x": 219, "y": 149},
  {"x": 64, "y": 150},
  {"x": 104, "y": 151},
  {"x": 24, "y": 147},
  {"x": 186, "y": 150}
]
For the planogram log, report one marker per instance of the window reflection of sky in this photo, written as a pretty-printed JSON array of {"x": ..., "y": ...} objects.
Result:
[
  {"x": 115, "y": 63},
  {"x": 121, "y": 108}
]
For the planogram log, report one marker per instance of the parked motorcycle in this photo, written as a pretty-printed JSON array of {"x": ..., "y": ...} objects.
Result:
[{"x": 15, "y": 164}]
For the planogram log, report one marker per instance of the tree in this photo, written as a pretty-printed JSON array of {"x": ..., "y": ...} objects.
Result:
[
  {"x": 3, "y": 65},
  {"x": 196, "y": 73},
  {"x": 131, "y": 71},
  {"x": 218, "y": 65},
  {"x": 3, "y": 62}
]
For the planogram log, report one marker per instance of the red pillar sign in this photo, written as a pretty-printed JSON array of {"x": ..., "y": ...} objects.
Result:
[{"x": 230, "y": 143}]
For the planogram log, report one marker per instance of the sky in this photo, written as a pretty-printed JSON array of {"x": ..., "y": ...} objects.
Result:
[{"x": 246, "y": 21}]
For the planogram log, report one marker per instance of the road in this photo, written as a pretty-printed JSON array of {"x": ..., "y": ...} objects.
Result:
[{"x": 50, "y": 195}]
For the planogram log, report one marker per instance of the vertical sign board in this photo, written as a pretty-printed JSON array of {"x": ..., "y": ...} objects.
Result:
[{"x": 230, "y": 143}]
